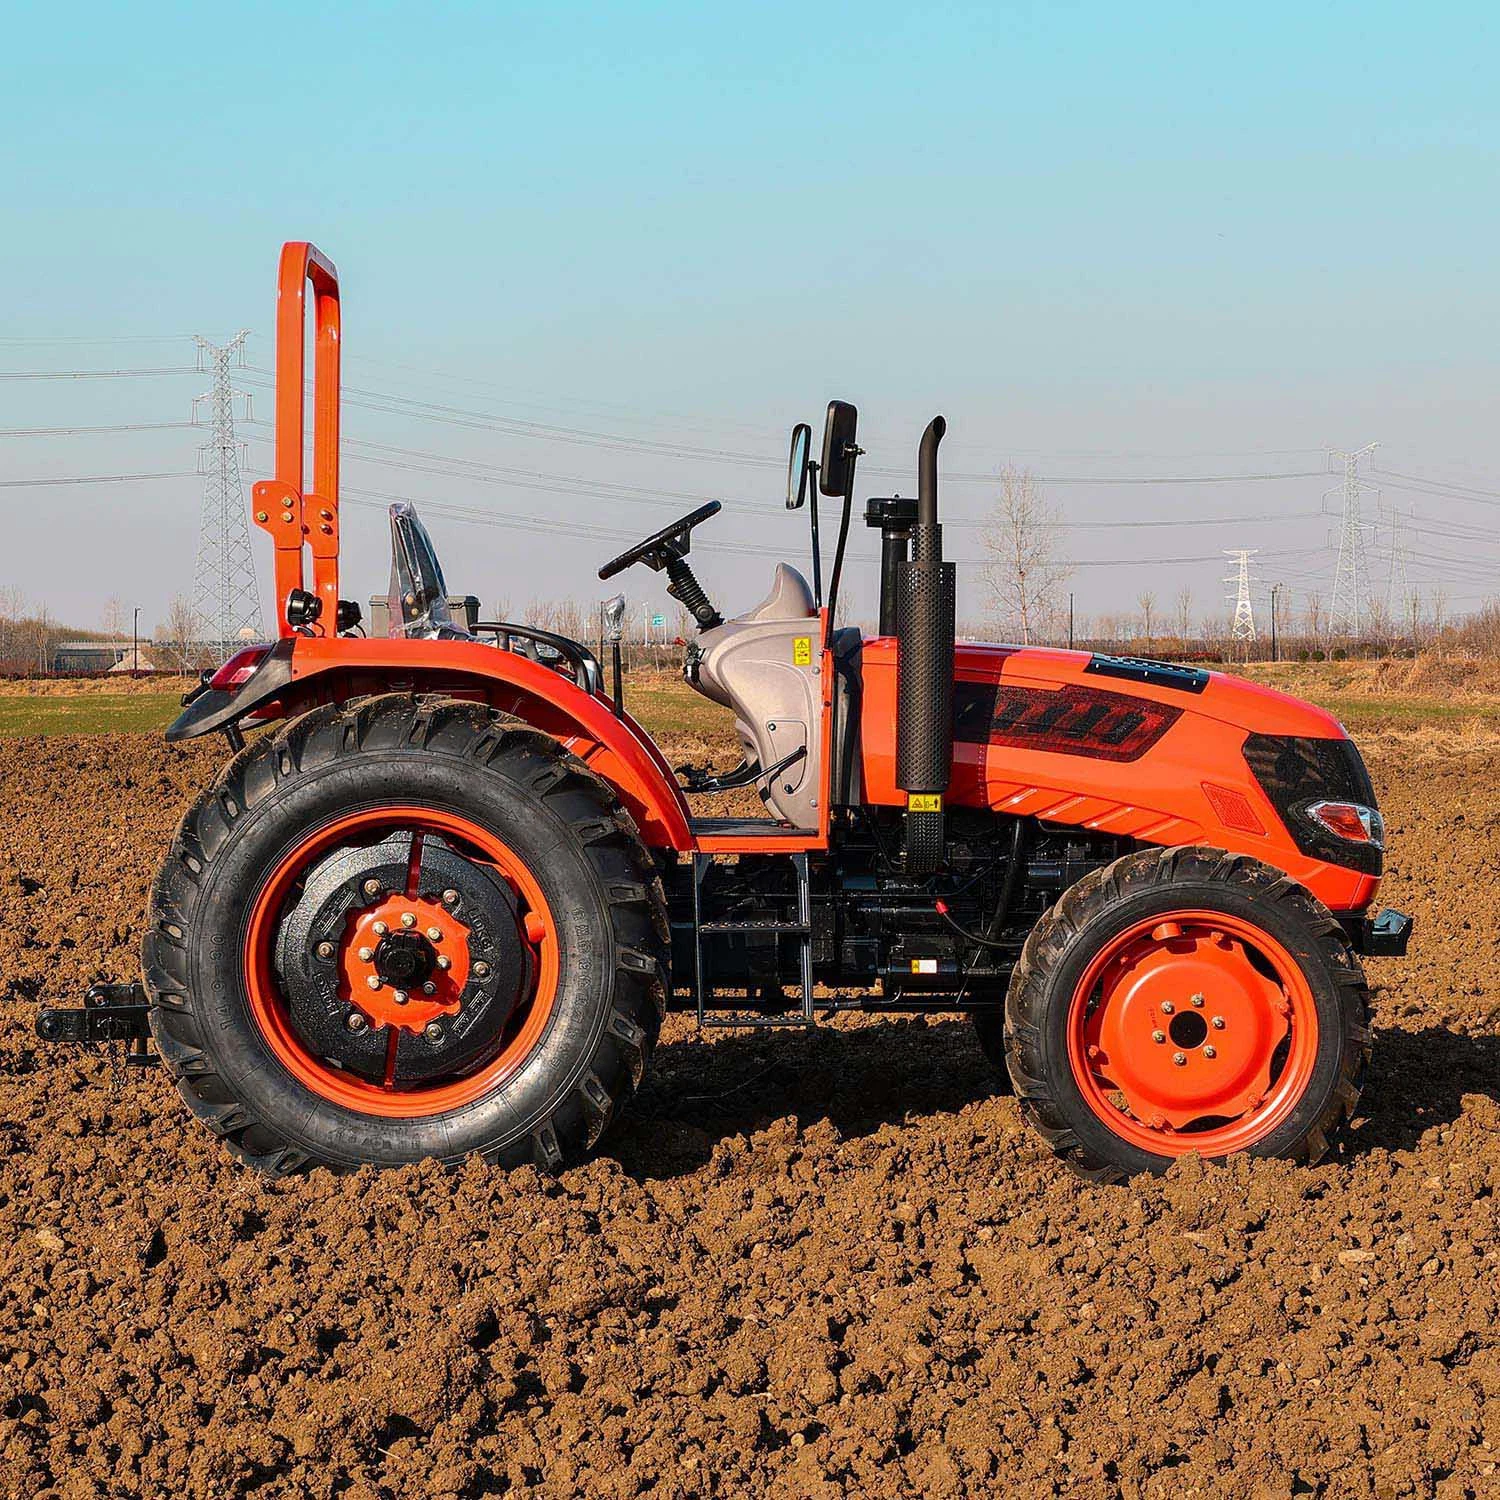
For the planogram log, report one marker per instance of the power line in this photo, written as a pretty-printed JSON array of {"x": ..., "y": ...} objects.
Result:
[
  {"x": 86, "y": 431},
  {"x": 96, "y": 374},
  {"x": 24, "y": 484}
]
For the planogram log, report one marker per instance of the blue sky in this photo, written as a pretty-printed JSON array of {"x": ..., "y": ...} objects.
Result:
[{"x": 1105, "y": 240}]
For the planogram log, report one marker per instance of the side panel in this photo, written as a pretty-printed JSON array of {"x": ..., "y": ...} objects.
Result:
[
  {"x": 618, "y": 749},
  {"x": 1144, "y": 762}
]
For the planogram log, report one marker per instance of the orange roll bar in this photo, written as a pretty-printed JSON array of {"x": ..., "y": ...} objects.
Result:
[{"x": 295, "y": 518}]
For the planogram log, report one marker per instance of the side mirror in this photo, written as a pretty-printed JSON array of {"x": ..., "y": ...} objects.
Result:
[
  {"x": 614, "y": 619},
  {"x": 796, "y": 466},
  {"x": 836, "y": 476}
]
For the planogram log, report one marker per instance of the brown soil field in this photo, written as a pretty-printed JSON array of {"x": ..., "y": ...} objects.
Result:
[{"x": 834, "y": 1264}]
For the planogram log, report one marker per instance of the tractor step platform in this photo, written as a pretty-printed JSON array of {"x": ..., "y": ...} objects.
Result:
[
  {"x": 109, "y": 1013},
  {"x": 801, "y": 930}
]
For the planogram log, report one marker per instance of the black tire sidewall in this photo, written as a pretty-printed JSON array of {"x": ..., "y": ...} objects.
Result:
[
  {"x": 540, "y": 838},
  {"x": 1296, "y": 936}
]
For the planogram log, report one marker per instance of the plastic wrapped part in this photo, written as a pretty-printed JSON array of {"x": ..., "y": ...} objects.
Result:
[{"x": 417, "y": 603}]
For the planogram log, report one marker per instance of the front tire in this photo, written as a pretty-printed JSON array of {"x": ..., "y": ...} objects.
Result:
[
  {"x": 486, "y": 886},
  {"x": 1186, "y": 1000}
]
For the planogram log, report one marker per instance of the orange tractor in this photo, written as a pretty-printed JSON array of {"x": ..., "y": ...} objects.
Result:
[{"x": 442, "y": 901}]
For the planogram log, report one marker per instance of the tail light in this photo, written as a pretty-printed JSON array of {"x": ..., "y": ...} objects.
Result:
[
  {"x": 240, "y": 668},
  {"x": 1351, "y": 821}
]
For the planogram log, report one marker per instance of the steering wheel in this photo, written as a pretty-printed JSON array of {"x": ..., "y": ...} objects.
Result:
[
  {"x": 668, "y": 549},
  {"x": 670, "y": 542}
]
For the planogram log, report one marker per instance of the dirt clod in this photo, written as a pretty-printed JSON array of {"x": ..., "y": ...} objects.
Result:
[{"x": 808, "y": 1266}]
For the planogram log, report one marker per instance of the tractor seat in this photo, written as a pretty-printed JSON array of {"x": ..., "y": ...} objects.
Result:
[{"x": 790, "y": 598}]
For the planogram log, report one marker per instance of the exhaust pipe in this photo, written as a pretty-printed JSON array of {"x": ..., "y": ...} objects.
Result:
[{"x": 924, "y": 670}]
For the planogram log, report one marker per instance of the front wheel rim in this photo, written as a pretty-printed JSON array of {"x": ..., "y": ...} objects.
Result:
[
  {"x": 268, "y": 1006},
  {"x": 1193, "y": 1031}
]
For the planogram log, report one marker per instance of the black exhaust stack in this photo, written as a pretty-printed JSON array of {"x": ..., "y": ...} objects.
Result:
[{"x": 924, "y": 670}]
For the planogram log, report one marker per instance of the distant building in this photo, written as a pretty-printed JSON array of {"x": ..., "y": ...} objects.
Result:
[{"x": 98, "y": 656}]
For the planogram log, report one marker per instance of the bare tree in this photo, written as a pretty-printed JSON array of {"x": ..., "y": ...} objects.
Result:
[
  {"x": 1182, "y": 615},
  {"x": 1313, "y": 611},
  {"x": 1026, "y": 572},
  {"x": 1147, "y": 602},
  {"x": 1439, "y": 597},
  {"x": 113, "y": 616},
  {"x": 177, "y": 637}
]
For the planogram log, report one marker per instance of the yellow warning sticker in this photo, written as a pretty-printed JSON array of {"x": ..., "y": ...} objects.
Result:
[
  {"x": 924, "y": 802},
  {"x": 801, "y": 650},
  {"x": 924, "y": 966}
]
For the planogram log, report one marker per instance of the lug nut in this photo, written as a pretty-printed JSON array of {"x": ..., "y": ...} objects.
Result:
[
  {"x": 325, "y": 950},
  {"x": 1217, "y": 1023},
  {"x": 435, "y": 934},
  {"x": 450, "y": 898},
  {"x": 408, "y": 919},
  {"x": 399, "y": 996},
  {"x": 373, "y": 981},
  {"x": 380, "y": 929},
  {"x": 444, "y": 962},
  {"x": 1167, "y": 1007},
  {"x": 1158, "y": 1036},
  {"x": 366, "y": 954},
  {"x": 1197, "y": 1000},
  {"x": 372, "y": 887},
  {"x": 429, "y": 988},
  {"x": 1178, "y": 1059},
  {"x": 356, "y": 1022},
  {"x": 1210, "y": 1052},
  {"x": 433, "y": 1032}
]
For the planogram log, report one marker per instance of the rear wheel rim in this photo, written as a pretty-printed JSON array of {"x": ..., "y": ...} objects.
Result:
[
  {"x": 1193, "y": 1031},
  {"x": 268, "y": 1005}
]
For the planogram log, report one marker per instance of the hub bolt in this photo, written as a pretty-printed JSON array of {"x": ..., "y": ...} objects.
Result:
[
  {"x": 373, "y": 981},
  {"x": 1210, "y": 1052},
  {"x": 356, "y": 1022},
  {"x": 380, "y": 929},
  {"x": 325, "y": 950},
  {"x": 481, "y": 968},
  {"x": 372, "y": 887},
  {"x": 1217, "y": 1023},
  {"x": 444, "y": 962},
  {"x": 1179, "y": 1059},
  {"x": 408, "y": 919},
  {"x": 429, "y": 988},
  {"x": 450, "y": 898},
  {"x": 1167, "y": 1007},
  {"x": 1197, "y": 1000},
  {"x": 399, "y": 996},
  {"x": 1158, "y": 1036},
  {"x": 435, "y": 934},
  {"x": 433, "y": 1032},
  {"x": 366, "y": 954}
]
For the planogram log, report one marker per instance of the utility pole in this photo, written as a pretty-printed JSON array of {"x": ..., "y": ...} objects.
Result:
[
  {"x": 1243, "y": 628},
  {"x": 226, "y": 601},
  {"x": 135, "y": 642},
  {"x": 1351, "y": 580},
  {"x": 1070, "y": 619},
  {"x": 1276, "y": 589}
]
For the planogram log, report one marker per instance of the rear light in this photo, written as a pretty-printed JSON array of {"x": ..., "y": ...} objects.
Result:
[
  {"x": 239, "y": 669},
  {"x": 1351, "y": 821}
]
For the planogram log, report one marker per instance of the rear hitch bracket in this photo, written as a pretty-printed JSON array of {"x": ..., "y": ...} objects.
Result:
[{"x": 110, "y": 1013}]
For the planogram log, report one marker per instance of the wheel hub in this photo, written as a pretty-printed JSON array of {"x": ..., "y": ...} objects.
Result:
[
  {"x": 403, "y": 960},
  {"x": 1186, "y": 1028}
]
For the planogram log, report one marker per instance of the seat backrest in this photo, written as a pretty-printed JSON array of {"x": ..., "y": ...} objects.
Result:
[{"x": 418, "y": 606}]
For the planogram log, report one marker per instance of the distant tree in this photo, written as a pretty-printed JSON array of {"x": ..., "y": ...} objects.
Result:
[
  {"x": 1147, "y": 602},
  {"x": 1182, "y": 607},
  {"x": 1313, "y": 613},
  {"x": 177, "y": 637},
  {"x": 1026, "y": 572},
  {"x": 114, "y": 617}
]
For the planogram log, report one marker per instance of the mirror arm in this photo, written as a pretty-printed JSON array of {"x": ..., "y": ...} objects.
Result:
[
  {"x": 853, "y": 452},
  {"x": 817, "y": 552}
]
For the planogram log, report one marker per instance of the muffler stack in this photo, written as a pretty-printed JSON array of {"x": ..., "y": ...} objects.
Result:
[{"x": 924, "y": 670}]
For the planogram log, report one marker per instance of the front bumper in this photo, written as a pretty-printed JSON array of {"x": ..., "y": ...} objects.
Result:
[{"x": 1381, "y": 934}]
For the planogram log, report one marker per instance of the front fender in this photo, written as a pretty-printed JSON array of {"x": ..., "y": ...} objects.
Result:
[{"x": 303, "y": 671}]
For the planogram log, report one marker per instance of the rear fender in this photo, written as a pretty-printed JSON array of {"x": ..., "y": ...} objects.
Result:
[{"x": 305, "y": 671}]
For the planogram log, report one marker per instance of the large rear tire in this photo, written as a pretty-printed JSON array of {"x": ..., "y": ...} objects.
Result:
[
  {"x": 1186, "y": 1000},
  {"x": 406, "y": 928}
]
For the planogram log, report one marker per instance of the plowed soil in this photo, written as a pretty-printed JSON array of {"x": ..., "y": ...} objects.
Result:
[{"x": 831, "y": 1265}]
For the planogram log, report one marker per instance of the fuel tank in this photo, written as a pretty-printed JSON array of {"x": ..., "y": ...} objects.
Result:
[{"x": 1154, "y": 751}]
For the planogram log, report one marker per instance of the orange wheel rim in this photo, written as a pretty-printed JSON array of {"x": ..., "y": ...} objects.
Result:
[
  {"x": 1193, "y": 1031},
  {"x": 269, "y": 1009}
]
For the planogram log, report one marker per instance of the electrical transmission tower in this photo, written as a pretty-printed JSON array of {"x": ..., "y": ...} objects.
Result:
[
  {"x": 1351, "y": 576},
  {"x": 1399, "y": 600},
  {"x": 1243, "y": 628},
  {"x": 226, "y": 601}
]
